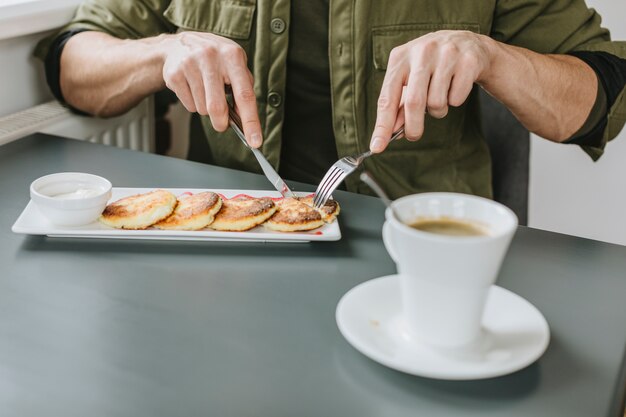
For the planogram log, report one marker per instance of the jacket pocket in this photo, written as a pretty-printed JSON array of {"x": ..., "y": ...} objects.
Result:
[
  {"x": 229, "y": 18},
  {"x": 385, "y": 38}
]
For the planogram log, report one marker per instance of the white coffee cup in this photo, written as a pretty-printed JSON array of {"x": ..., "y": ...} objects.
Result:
[{"x": 445, "y": 279}]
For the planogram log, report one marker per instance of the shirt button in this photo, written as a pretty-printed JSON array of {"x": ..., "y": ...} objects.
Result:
[
  {"x": 277, "y": 25},
  {"x": 274, "y": 99}
]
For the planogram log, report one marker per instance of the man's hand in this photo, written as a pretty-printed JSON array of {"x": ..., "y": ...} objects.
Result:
[
  {"x": 428, "y": 74},
  {"x": 106, "y": 76},
  {"x": 551, "y": 95},
  {"x": 197, "y": 66}
]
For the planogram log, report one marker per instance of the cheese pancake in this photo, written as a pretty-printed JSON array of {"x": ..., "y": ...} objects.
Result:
[
  {"x": 139, "y": 211},
  {"x": 243, "y": 213},
  {"x": 294, "y": 216},
  {"x": 193, "y": 212},
  {"x": 329, "y": 211}
]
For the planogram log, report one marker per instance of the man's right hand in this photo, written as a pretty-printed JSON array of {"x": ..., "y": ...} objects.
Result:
[
  {"x": 197, "y": 66},
  {"x": 106, "y": 76}
]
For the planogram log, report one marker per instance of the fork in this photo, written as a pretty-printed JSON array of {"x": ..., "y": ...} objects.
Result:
[{"x": 340, "y": 170}]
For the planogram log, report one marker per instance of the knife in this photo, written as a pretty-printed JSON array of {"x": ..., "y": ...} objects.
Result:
[{"x": 268, "y": 170}]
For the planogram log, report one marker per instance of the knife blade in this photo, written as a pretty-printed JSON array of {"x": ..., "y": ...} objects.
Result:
[{"x": 268, "y": 170}]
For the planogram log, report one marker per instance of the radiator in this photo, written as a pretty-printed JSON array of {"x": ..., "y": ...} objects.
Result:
[{"x": 132, "y": 130}]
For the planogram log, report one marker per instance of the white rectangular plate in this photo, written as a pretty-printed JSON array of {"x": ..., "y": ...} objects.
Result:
[{"x": 32, "y": 222}]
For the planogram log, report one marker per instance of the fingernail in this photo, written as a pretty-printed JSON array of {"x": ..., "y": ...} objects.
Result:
[
  {"x": 377, "y": 144},
  {"x": 256, "y": 140}
]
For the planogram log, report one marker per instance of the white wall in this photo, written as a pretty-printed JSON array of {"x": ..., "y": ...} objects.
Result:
[
  {"x": 22, "y": 24},
  {"x": 568, "y": 192},
  {"x": 22, "y": 84}
]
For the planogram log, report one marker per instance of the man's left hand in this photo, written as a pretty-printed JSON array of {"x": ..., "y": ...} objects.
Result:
[{"x": 428, "y": 74}]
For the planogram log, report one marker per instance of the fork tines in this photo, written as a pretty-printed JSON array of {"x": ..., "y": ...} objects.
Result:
[{"x": 329, "y": 183}]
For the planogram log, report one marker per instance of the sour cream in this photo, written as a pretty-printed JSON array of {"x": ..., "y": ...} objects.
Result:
[{"x": 78, "y": 194}]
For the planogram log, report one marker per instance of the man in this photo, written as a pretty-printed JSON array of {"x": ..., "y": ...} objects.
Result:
[{"x": 318, "y": 79}]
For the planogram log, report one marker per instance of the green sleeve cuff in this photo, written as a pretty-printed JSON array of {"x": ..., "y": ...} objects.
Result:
[
  {"x": 608, "y": 114},
  {"x": 596, "y": 115}
]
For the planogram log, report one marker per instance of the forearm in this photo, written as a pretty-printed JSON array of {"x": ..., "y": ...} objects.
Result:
[
  {"x": 106, "y": 76},
  {"x": 551, "y": 95}
]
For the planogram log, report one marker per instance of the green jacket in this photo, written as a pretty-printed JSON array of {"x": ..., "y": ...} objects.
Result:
[{"x": 451, "y": 156}]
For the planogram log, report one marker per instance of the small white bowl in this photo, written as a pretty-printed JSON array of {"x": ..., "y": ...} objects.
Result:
[{"x": 71, "y": 198}]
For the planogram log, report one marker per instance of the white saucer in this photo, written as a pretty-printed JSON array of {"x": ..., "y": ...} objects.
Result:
[{"x": 515, "y": 334}]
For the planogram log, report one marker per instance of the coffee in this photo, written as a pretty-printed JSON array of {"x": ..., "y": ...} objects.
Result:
[{"x": 449, "y": 226}]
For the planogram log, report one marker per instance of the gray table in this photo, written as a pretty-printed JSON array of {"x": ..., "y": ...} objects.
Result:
[{"x": 135, "y": 328}]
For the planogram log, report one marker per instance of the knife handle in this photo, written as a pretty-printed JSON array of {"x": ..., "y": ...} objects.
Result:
[{"x": 266, "y": 167}]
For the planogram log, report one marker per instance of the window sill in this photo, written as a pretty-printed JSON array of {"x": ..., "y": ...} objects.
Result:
[{"x": 26, "y": 17}]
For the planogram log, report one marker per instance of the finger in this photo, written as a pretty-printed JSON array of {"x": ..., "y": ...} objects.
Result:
[
  {"x": 248, "y": 113},
  {"x": 415, "y": 99},
  {"x": 243, "y": 92},
  {"x": 438, "y": 90},
  {"x": 196, "y": 85},
  {"x": 460, "y": 88},
  {"x": 388, "y": 106},
  {"x": 399, "y": 120},
  {"x": 178, "y": 84},
  {"x": 215, "y": 97}
]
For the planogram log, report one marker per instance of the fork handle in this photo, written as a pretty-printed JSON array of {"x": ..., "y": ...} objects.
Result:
[{"x": 396, "y": 135}]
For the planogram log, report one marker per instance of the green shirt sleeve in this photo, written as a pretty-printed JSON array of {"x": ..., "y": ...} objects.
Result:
[
  {"x": 120, "y": 18},
  {"x": 558, "y": 27},
  {"x": 596, "y": 115}
]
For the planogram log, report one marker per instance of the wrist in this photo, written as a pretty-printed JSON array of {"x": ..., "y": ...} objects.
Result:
[
  {"x": 156, "y": 50},
  {"x": 493, "y": 51},
  {"x": 161, "y": 46}
]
